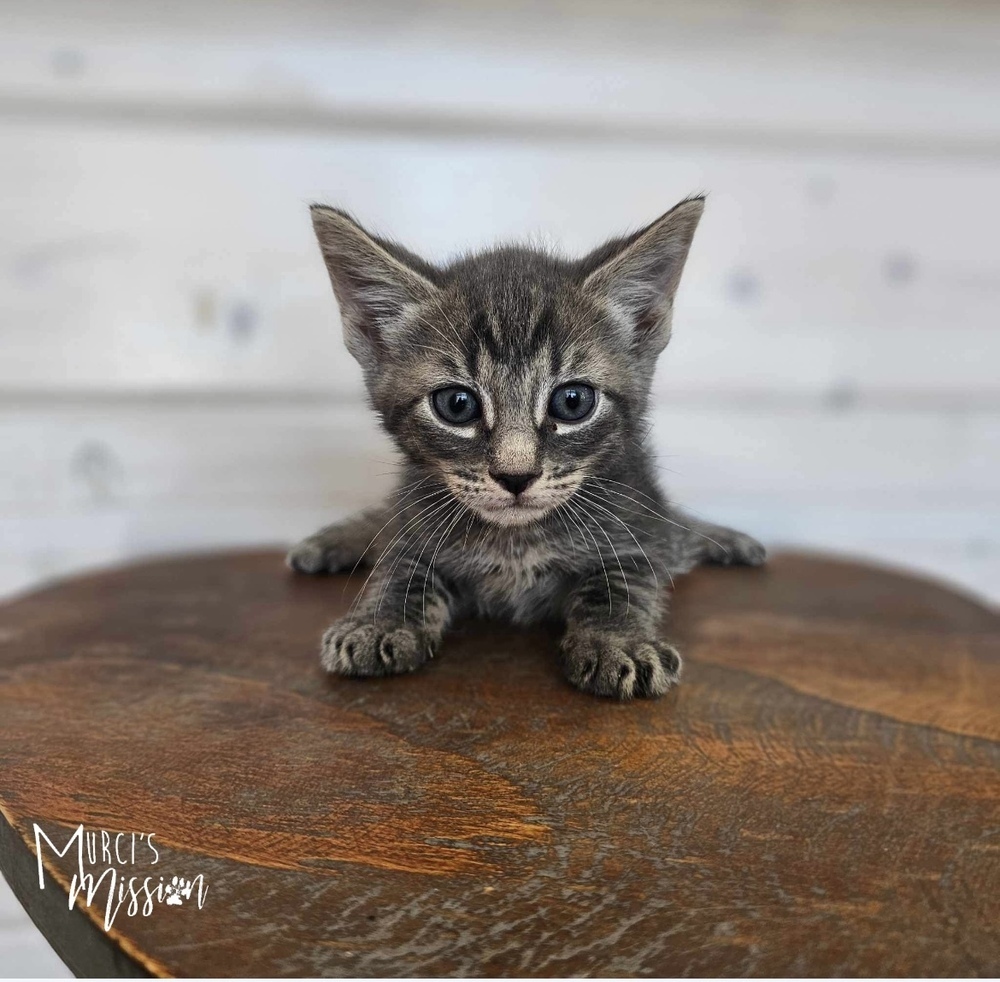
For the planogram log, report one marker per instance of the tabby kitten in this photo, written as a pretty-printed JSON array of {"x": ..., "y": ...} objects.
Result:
[{"x": 515, "y": 383}]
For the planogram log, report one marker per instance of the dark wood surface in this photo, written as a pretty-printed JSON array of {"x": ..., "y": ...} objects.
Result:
[{"x": 821, "y": 796}]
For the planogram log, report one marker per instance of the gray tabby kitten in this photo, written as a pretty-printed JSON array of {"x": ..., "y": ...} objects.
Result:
[{"x": 516, "y": 385}]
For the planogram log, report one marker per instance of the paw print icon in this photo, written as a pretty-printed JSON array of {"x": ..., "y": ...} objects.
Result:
[{"x": 177, "y": 891}]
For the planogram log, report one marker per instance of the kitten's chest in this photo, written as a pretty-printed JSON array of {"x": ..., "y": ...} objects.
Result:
[{"x": 522, "y": 584}]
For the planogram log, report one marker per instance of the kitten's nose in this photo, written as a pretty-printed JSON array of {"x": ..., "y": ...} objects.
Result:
[{"x": 514, "y": 483}]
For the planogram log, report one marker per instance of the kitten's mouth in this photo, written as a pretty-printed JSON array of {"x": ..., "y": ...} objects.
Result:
[
  {"x": 515, "y": 512},
  {"x": 503, "y": 509}
]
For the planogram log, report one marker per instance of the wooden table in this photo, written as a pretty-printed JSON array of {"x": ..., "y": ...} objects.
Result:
[{"x": 820, "y": 796}]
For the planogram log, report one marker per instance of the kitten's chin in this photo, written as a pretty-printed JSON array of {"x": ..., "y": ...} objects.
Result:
[{"x": 512, "y": 515}]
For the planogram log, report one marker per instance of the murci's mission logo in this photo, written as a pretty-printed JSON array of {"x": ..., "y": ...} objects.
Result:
[{"x": 108, "y": 870}]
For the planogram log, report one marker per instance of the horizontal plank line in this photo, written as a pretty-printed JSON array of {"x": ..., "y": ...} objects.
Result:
[
  {"x": 833, "y": 400},
  {"x": 34, "y": 519},
  {"x": 431, "y": 124}
]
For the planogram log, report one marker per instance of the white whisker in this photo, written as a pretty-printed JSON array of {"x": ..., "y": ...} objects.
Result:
[
  {"x": 430, "y": 567},
  {"x": 402, "y": 553},
  {"x": 608, "y": 511},
  {"x": 655, "y": 514},
  {"x": 433, "y": 506},
  {"x": 621, "y": 569},
  {"x": 571, "y": 510},
  {"x": 444, "y": 521}
]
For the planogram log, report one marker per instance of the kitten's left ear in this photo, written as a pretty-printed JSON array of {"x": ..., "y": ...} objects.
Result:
[{"x": 639, "y": 274}]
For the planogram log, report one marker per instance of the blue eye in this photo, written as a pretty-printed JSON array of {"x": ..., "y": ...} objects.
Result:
[
  {"x": 572, "y": 402},
  {"x": 456, "y": 405}
]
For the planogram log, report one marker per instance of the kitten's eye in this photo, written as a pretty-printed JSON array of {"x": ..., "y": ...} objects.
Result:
[
  {"x": 572, "y": 402},
  {"x": 456, "y": 406}
]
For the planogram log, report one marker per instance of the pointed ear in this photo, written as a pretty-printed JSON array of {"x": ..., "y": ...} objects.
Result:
[
  {"x": 376, "y": 283},
  {"x": 638, "y": 275}
]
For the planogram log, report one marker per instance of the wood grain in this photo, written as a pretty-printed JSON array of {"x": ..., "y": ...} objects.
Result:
[{"x": 820, "y": 797}]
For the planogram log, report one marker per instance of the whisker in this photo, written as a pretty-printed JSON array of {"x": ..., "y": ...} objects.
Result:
[
  {"x": 429, "y": 347},
  {"x": 402, "y": 553},
  {"x": 666, "y": 568},
  {"x": 621, "y": 569},
  {"x": 432, "y": 512},
  {"x": 627, "y": 529},
  {"x": 399, "y": 511},
  {"x": 413, "y": 568},
  {"x": 569, "y": 532},
  {"x": 571, "y": 510},
  {"x": 655, "y": 514},
  {"x": 430, "y": 568},
  {"x": 451, "y": 326},
  {"x": 433, "y": 506},
  {"x": 410, "y": 487}
]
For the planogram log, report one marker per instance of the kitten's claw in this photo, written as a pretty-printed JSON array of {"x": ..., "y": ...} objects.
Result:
[
  {"x": 357, "y": 648},
  {"x": 607, "y": 663},
  {"x": 727, "y": 547},
  {"x": 317, "y": 555}
]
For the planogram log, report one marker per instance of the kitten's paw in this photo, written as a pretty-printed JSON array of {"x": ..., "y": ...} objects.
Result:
[
  {"x": 352, "y": 647},
  {"x": 623, "y": 666},
  {"x": 319, "y": 555},
  {"x": 727, "y": 547}
]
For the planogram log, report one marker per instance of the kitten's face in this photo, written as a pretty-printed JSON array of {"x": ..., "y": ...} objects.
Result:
[
  {"x": 511, "y": 376},
  {"x": 512, "y": 396}
]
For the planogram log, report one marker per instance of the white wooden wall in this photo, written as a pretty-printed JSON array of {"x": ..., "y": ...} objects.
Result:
[{"x": 171, "y": 372}]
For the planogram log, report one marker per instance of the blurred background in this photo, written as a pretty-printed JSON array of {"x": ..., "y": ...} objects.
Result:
[{"x": 171, "y": 370}]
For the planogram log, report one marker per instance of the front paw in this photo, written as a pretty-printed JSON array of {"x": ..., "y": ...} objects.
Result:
[
  {"x": 357, "y": 648},
  {"x": 727, "y": 547},
  {"x": 609, "y": 663},
  {"x": 319, "y": 555}
]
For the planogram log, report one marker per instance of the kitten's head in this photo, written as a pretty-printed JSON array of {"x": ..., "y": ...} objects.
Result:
[{"x": 510, "y": 375}]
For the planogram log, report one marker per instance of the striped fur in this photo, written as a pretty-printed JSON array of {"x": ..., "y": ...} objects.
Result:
[{"x": 592, "y": 542}]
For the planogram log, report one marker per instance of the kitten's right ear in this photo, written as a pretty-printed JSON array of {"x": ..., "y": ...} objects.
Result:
[{"x": 376, "y": 282}]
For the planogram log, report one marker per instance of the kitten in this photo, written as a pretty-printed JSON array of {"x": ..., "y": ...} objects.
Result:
[{"x": 515, "y": 383}]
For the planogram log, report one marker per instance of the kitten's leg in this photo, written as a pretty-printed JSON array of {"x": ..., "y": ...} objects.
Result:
[
  {"x": 611, "y": 646},
  {"x": 395, "y": 626},
  {"x": 340, "y": 546},
  {"x": 719, "y": 545}
]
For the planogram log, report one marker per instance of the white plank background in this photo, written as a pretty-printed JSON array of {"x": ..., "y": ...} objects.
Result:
[{"x": 171, "y": 372}]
